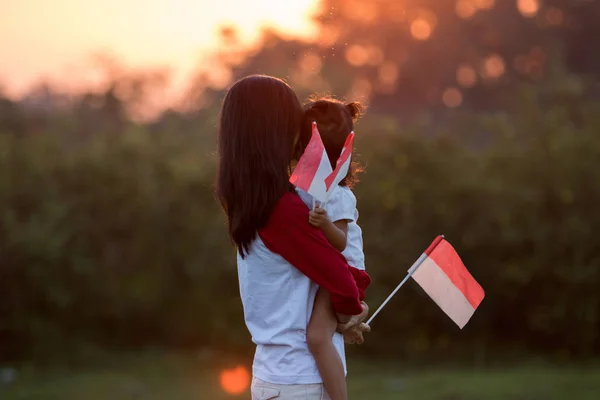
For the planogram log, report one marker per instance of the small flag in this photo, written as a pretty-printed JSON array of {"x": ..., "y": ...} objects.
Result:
[
  {"x": 342, "y": 165},
  {"x": 313, "y": 168},
  {"x": 443, "y": 276}
]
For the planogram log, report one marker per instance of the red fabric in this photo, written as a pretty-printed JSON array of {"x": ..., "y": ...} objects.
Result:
[
  {"x": 434, "y": 244},
  {"x": 342, "y": 164},
  {"x": 362, "y": 279},
  {"x": 289, "y": 234}
]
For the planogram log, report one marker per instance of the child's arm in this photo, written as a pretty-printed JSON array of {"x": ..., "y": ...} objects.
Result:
[{"x": 335, "y": 232}]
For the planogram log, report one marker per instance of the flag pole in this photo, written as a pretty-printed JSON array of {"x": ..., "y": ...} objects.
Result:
[
  {"x": 410, "y": 272},
  {"x": 412, "y": 269}
]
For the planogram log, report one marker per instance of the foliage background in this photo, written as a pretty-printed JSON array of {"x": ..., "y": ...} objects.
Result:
[{"x": 486, "y": 130}]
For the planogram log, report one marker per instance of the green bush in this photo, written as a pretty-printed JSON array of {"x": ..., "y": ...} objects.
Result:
[{"x": 116, "y": 241}]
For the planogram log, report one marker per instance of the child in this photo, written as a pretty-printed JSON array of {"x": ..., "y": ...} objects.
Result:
[{"x": 337, "y": 219}]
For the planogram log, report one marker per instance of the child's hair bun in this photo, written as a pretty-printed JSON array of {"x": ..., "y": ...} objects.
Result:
[{"x": 356, "y": 110}]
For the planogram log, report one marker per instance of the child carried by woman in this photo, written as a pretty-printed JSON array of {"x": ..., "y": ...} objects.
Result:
[{"x": 338, "y": 221}]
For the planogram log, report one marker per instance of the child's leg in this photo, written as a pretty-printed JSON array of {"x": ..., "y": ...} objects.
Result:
[{"x": 321, "y": 328}]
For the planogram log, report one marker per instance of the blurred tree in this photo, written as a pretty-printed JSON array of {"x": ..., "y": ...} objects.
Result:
[
  {"x": 403, "y": 57},
  {"x": 110, "y": 235}
]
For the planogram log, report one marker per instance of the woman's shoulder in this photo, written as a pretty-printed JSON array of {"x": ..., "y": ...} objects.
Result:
[
  {"x": 289, "y": 204},
  {"x": 289, "y": 213}
]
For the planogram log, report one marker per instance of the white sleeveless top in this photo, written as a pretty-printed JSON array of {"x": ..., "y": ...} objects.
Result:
[{"x": 278, "y": 302}]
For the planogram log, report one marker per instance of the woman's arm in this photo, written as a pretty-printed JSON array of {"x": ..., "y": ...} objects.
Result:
[{"x": 289, "y": 234}]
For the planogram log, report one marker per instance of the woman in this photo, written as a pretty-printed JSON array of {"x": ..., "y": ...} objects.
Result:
[{"x": 281, "y": 257}]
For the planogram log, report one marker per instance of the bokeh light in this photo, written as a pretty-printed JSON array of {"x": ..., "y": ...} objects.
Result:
[
  {"x": 421, "y": 29},
  {"x": 494, "y": 66},
  {"x": 528, "y": 8},
  {"x": 235, "y": 381},
  {"x": 357, "y": 55},
  {"x": 465, "y": 9},
  {"x": 466, "y": 76},
  {"x": 485, "y": 4},
  {"x": 388, "y": 73},
  {"x": 452, "y": 97}
]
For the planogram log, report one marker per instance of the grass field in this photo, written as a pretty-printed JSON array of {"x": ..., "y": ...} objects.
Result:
[{"x": 175, "y": 378}]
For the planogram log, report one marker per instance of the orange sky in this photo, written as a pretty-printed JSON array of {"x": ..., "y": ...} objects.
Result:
[{"x": 56, "y": 38}]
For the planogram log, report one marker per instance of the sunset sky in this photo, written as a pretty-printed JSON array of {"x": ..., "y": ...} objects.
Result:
[{"x": 55, "y": 39}]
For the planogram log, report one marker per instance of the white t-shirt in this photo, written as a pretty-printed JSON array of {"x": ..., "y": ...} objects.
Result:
[
  {"x": 342, "y": 206},
  {"x": 278, "y": 302}
]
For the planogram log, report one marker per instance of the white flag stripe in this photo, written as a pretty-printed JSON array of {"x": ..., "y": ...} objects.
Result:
[
  {"x": 341, "y": 175},
  {"x": 341, "y": 170},
  {"x": 317, "y": 188},
  {"x": 440, "y": 288}
]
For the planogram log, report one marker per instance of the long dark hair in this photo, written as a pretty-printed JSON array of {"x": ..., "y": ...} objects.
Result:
[
  {"x": 259, "y": 123},
  {"x": 335, "y": 121}
]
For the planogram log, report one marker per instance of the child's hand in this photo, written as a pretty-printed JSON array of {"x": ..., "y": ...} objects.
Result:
[
  {"x": 318, "y": 217},
  {"x": 355, "y": 334}
]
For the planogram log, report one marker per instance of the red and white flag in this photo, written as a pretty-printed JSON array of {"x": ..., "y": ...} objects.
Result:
[
  {"x": 342, "y": 165},
  {"x": 443, "y": 276},
  {"x": 313, "y": 168}
]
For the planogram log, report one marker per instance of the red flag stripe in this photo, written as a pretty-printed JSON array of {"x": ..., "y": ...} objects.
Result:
[
  {"x": 448, "y": 260},
  {"x": 308, "y": 165},
  {"x": 434, "y": 244},
  {"x": 344, "y": 157}
]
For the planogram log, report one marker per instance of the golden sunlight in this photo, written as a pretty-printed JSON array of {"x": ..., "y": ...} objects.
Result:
[
  {"x": 311, "y": 63},
  {"x": 452, "y": 97},
  {"x": 420, "y": 29},
  {"x": 236, "y": 380},
  {"x": 528, "y": 8},
  {"x": 357, "y": 55},
  {"x": 494, "y": 66},
  {"x": 465, "y": 9},
  {"x": 139, "y": 33},
  {"x": 466, "y": 76},
  {"x": 358, "y": 10}
]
